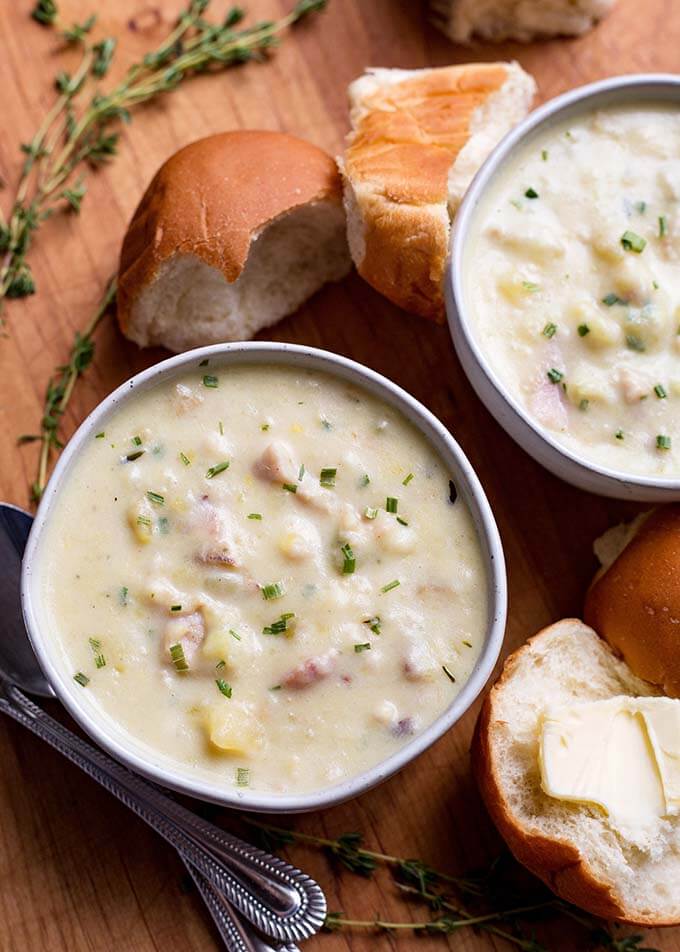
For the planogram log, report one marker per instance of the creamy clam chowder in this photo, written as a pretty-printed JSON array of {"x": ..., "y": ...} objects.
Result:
[
  {"x": 264, "y": 575},
  {"x": 573, "y": 282}
]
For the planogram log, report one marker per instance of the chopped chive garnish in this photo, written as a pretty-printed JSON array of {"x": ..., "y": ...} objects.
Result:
[
  {"x": 220, "y": 427},
  {"x": 370, "y": 513},
  {"x": 544, "y": 155},
  {"x": 619, "y": 434},
  {"x": 633, "y": 342},
  {"x": 391, "y": 504},
  {"x": 281, "y": 625},
  {"x": 326, "y": 424},
  {"x": 205, "y": 362},
  {"x": 217, "y": 469},
  {"x": 264, "y": 427},
  {"x": 660, "y": 391},
  {"x": 640, "y": 207},
  {"x": 531, "y": 193},
  {"x": 549, "y": 330},
  {"x": 99, "y": 659},
  {"x": 530, "y": 286},
  {"x": 137, "y": 440},
  {"x": 448, "y": 673},
  {"x": 301, "y": 472},
  {"x": 234, "y": 634},
  {"x": 243, "y": 776},
  {"x": 327, "y": 476},
  {"x": 100, "y": 436},
  {"x": 632, "y": 242},
  {"x": 156, "y": 497},
  {"x": 131, "y": 457},
  {"x": 366, "y": 646},
  {"x": 274, "y": 590},
  {"x": 210, "y": 381},
  {"x": 554, "y": 376},
  {"x": 81, "y": 678},
  {"x": 175, "y": 608},
  {"x": 390, "y": 586},
  {"x": 611, "y": 299},
  {"x": 164, "y": 525},
  {"x": 374, "y": 624},
  {"x": 365, "y": 479},
  {"x": 663, "y": 226},
  {"x": 402, "y": 522},
  {"x": 349, "y": 562},
  {"x": 583, "y": 330},
  {"x": 220, "y": 665},
  {"x": 185, "y": 459},
  {"x": 178, "y": 659},
  {"x": 408, "y": 479},
  {"x": 663, "y": 442},
  {"x": 584, "y": 404},
  {"x": 289, "y": 487},
  {"x": 223, "y": 687},
  {"x": 254, "y": 515},
  {"x": 468, "y": 644},
  {"x": 143, "y": 521},
  {"x": 123, "y": 595}
]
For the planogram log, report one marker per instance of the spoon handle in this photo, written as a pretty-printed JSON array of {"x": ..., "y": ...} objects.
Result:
[
  {"x": 237, "y": 936},
  {"x": 276, "y": 897}
]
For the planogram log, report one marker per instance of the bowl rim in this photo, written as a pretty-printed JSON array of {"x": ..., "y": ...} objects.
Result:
[
  {"x": 620, "y": 88},
  {"x": 263, "y": 352}
]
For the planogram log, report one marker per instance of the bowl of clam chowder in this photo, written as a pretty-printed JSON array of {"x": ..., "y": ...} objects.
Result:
[
  {"x": 265, "y": 576},
  {"x": 563, "y": 292}
]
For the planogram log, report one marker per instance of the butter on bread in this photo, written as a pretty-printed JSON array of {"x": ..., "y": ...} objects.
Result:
[
  {"x": 577, "y": 849},
  {"x": 634, "y": 602},
  {"x": 234, "y": 232},
  {"x": 524, "y": 20},
  {"x": 417, "y": 139}
]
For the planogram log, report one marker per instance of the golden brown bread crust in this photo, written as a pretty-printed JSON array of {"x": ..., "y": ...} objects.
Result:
[
  {"x": 397, "y": 161},
  {"x": 211, "y": 197},
  {"x": 635, "y": 603},
  {"x": 558, "y": 864}
]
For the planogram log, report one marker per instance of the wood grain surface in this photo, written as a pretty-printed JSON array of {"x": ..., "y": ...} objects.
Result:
[{"x": 76, "y": 871}]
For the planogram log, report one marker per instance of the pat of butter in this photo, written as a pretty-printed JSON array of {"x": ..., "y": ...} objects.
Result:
[{"x": 622, "y": 754}]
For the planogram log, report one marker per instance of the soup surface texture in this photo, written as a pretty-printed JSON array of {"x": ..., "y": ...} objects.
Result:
[
  {"x": 573, "y": 281},
  {"x": 259, "y": 574}
]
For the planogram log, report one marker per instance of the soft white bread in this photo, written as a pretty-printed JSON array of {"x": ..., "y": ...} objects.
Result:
[
  {"x": 523, "y": 20},
  {"x": 234, "y": 232},
  {"x": 635, "y": 602},
  {"x": 417, "y": 139},
  {"x": 572, "y": 847}
]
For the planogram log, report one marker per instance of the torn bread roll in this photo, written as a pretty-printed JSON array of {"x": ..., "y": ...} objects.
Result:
[
  {"x": 417, "y": 139},
  {"x": 523, "y": 20},
  {"x": 234, "y": 232},
  {"x": 634, "y": 601},
  {"x": 586, "y": 854}
]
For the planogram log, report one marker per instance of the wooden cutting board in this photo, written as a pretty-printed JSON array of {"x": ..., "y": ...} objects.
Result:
[{"x": 76, "y": 871}]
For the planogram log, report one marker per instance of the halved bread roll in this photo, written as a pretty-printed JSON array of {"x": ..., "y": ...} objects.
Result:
[
  {"x": 417, "y": 139},
  {"x": 634, "y": 601},
  {"x": 524, "y": 20},
  {"x": 575, "y": 848},
  {"x": 234, "y": 232}
]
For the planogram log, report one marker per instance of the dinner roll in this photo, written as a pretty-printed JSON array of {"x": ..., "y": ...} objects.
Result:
[
  {"x": 234, "y": 232},
  {"x": 417, "y": 139},
  {"x": 523, "y": 20},
  {"x": 635, "y": 602},
  {"x": 576, "y": 848}
]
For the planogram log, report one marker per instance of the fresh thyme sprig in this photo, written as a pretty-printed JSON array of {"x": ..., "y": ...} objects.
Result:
[
  {"x": 79, "y": 130},
  {"x": 494, "y": 889},
  {"x": 60, "y": 389}
]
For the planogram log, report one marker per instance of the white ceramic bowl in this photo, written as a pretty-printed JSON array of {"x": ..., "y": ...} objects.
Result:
[
  {"x": 159, "y": 769},
  {"x": 531, "y": 436}
]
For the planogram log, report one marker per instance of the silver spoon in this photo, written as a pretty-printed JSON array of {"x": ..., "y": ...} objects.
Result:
[{"x": 280, "y": 900}]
